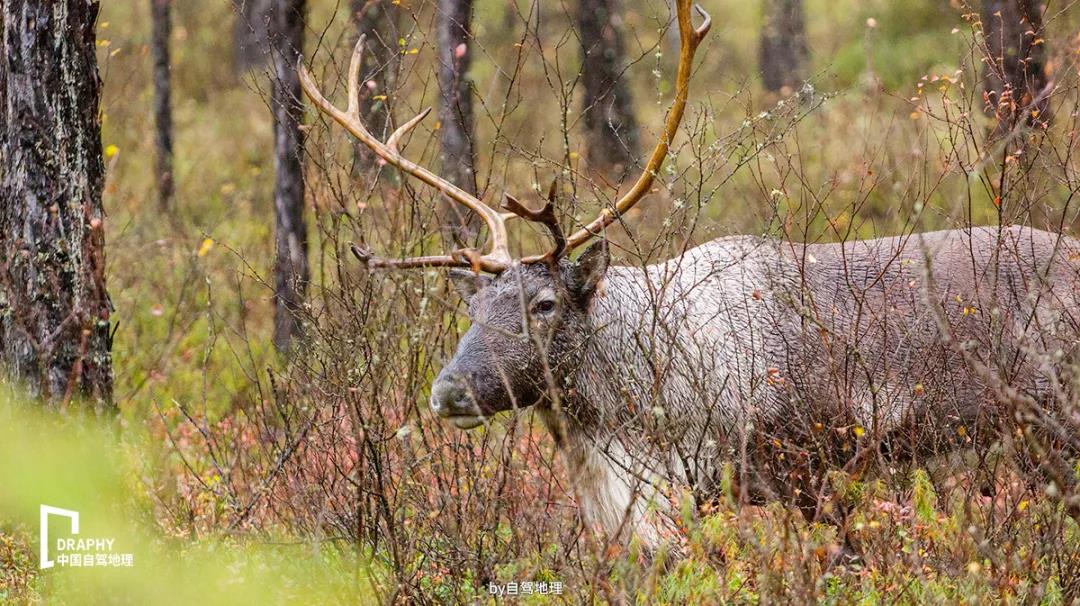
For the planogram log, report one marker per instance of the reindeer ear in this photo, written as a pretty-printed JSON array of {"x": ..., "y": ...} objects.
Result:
[
  {"x": 589, "y": 270},
  {"x": 468, "y": 283}
]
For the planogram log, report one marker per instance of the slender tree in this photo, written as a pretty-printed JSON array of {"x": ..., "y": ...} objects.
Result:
[
  {"x": 251, "y": 30},
  {"x": 456, "y": 115},
  {"x": 160, "y": 16},
  {"x": 377, "y": 22},
  {"x": 607, "y": 105},
  {"x": 290, "y": 234},
  {"x": 1016, "y": 83},
  {"x": 782, "y": 54},
  {"x": 54, "y": 307}
]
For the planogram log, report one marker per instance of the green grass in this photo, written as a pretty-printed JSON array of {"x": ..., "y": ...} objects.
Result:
[{"x": 74, "y": 462}]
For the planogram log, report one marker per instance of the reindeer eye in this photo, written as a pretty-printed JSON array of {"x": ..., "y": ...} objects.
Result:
[{"x": 544, "y": 307}]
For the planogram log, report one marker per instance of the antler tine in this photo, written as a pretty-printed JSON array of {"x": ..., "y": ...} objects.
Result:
[
  {"x": 355, "y": 63},
  {"x": 689, "y": 39},
  {"x": 545, "y": 216},
  {"x": 392, "y": 142},
  {"x": 458, "y": 258},
  {"x": 553, "y": 225},
  {"x": 706, "y": 24},
  {"x": 496, "y": 260}
]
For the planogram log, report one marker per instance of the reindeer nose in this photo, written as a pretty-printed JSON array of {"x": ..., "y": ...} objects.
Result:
[{"x": 450, "y": 397}]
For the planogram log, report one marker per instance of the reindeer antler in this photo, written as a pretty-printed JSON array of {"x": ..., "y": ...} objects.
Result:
[
  {"x": 545, "y": 216},
  {"x": 689, "y": 39},
  {"x": 498, "y": 259},
  {"x": 495, "y": 260}
]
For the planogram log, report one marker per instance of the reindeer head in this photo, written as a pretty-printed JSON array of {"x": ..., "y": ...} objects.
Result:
[
  {"x": 529, "y": 314},
  {"x": 528, "y": 325}
]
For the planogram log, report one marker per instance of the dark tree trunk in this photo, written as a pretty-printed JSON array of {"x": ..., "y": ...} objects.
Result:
[
  {"x": 1016, "y": 83},
  {"x": 377, "y": 20},
  {"x": 607, "y": 105},
  {"x": 782, "y": 55},
  {"x": 54, "y": 308},
  {"x": 159, "y": 11},
  {"x": 251, "y": 45},
  {"x": 456, "y": 116},
  {"x": 290, "y": 234}
]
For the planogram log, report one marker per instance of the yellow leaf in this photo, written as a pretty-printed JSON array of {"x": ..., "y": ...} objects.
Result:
[
  {"x": 207, "y": 244},
  {"x": 1023, "y": 505},
  {"x": 859, "y": 431},
  {"x": 111, "y": 150}
]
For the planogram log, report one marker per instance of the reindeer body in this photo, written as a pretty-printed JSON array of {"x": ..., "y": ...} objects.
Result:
[
  {"x": 750, "y": 345},
  {"x": 743, "y": 348}
]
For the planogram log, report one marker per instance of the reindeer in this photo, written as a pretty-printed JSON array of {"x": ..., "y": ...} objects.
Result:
[{"x": 785, "y": 358}]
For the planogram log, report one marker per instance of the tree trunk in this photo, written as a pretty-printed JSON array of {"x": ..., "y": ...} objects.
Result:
[
  {"x": 54, "y": 308},
  {"x": 377, "y": 21},
  {"x": 456, "y": 116},
  {"x": 159, "y": 11},
  {"x": 251, "y": 45},
  {"x": 607, "y": 105},
  {"x": 783, "y": 52},
  {"x": 1016, "y": 82},
  {"x": 290, "y": 235}
]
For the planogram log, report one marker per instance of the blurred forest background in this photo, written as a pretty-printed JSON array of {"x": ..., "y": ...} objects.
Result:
[{"x": 877, "y": 123}]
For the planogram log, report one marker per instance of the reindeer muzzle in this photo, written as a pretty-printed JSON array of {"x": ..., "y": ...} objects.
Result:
[{"x": 451, "y": 400}]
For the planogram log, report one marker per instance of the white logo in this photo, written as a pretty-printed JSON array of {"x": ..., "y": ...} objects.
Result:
[
  {"x": 81, "y": 552},
  {"x": 46, "y": 511}
]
